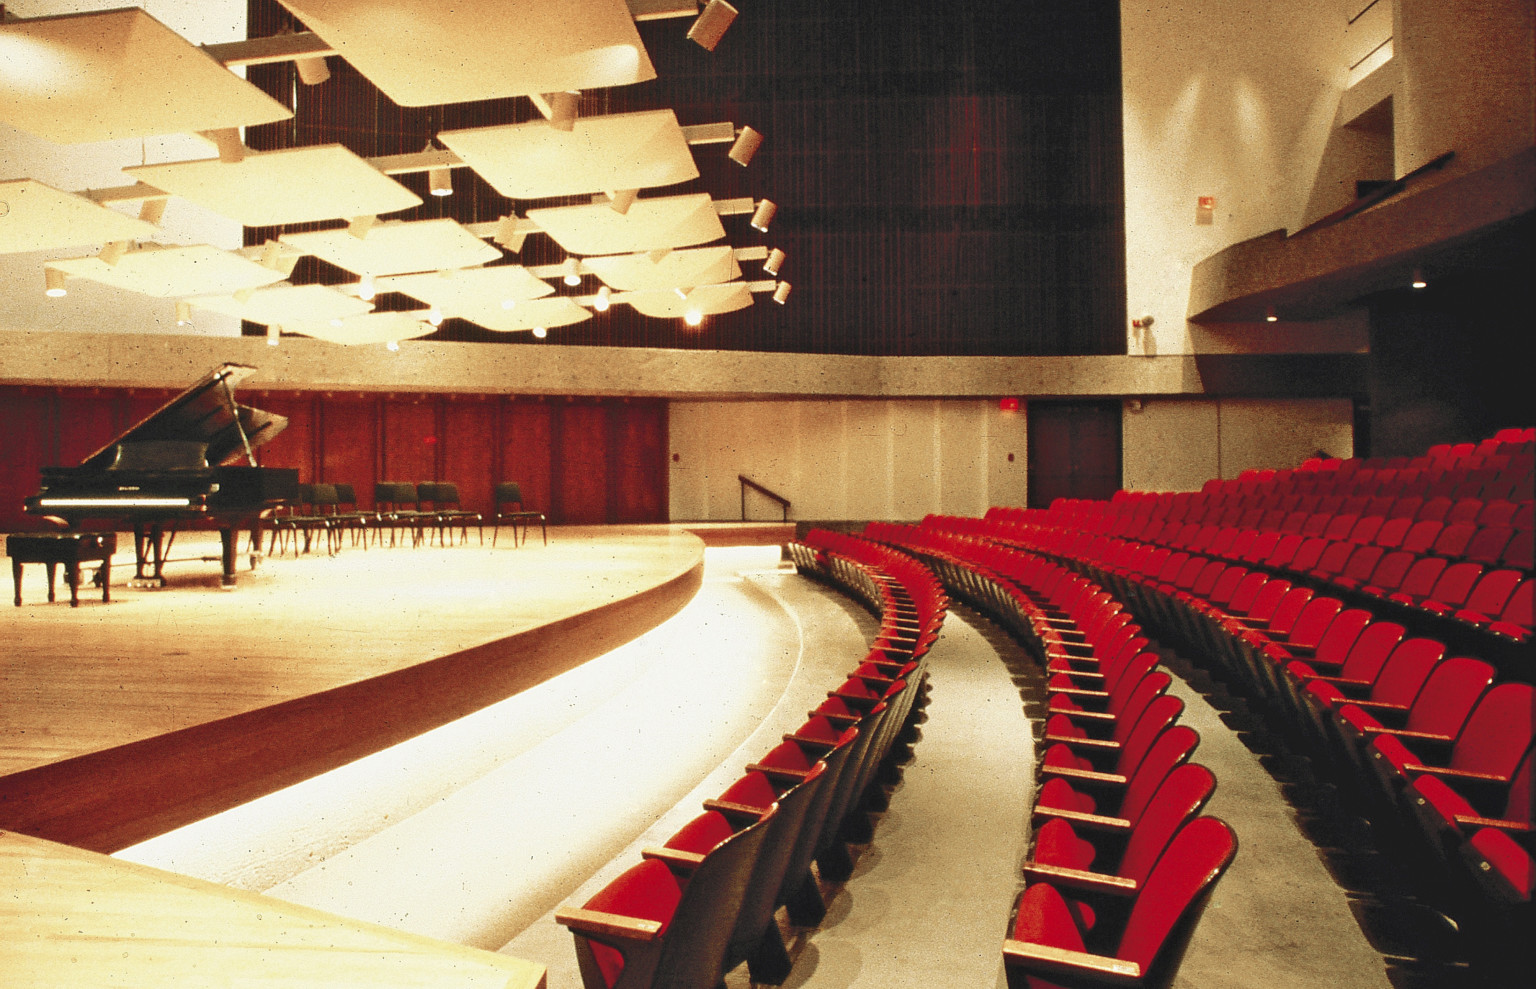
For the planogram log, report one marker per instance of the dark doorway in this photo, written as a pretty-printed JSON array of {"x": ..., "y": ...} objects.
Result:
[{"x": 1074, "y": 451}]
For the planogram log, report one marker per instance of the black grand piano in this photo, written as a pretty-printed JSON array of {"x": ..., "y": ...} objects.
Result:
[{"x": 169, "y": 471}]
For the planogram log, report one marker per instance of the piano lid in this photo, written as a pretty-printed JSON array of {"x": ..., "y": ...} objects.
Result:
[{"x": 206, "y": 413}]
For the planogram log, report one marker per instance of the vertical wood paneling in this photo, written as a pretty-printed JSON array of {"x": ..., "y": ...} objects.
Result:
[
  {"x": 27, "y": 435},
  {"x": 410, "y": 439},
  {"x": 348, "y": 437},
  {"x": 1074, "y": 450},
  {"x": 469, "y": 425},
  {"x": 87, "y": 419},
  {"x": 637, "y": 460},
  {"x": 581, "y": 467},
  {"x": 295, "y": 445},
  {"x": 526, "y": 452}
]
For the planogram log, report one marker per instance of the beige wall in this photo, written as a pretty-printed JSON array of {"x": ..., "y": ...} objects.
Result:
[
  {"x": 1179, "y": 444},
  {"x": 846, "y": 459}
]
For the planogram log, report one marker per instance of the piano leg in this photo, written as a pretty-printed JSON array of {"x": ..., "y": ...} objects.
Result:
[
  {"x": 148, "y": 547},
  {"x": 228, "y": 536}
]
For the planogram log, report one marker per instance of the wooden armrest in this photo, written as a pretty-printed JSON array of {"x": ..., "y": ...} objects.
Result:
[
  {"x": 1096, "y": 882},
  {"x": 1080, "y": 674},
  {"x": 783, "y": 771},
  {"x": 1422, "y": 736},
  {"x": 675, "y": 857},
  {"x": 1103, "y": 744},
  {"x": 840, "y": 720},
  {"x": 1377, "y": 705},
  {"x": 809, "y": 742},
  {"x": 1086, "y": 775},
  {"x": 1455, "y": 774},
  {"x": 731, "y": 807},
  {"x": 1472, "y": 821},
  {"x": 1076, "y": 713},
  {"x": 1064, "y": 961},
  {"x": 855, "y": 699},
  {"x": 1339, "y": 681},
  {"x": 1076, "y": 692},
  {"x": 611, "y": 924},
  {"x": 1099, "y": 821}
]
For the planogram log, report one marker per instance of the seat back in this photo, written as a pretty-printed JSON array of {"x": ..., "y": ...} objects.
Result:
[
  {"x": 648, "y": 891},
  {"x": 1162, "y": 712},
  {"x": 1148, "y": 689},
  {"x": 1498, "y": 731},
  {"x": 1369, "y": 649},
  {"x": 1388, "y": 573},
  {"x": 1455, "y": 583},
  {"x": 1311, "y": 622},
  {"x": 1183, "y": 792},
  {"x": 1361, "y": 563},
  {"x": 1171, "y": 750},
  {"x": 1420, "y": 578},
  {"x": 1449, "y": 693},
  {"x": 1405, "y": 670},
  {"x": 1175, "y": 891}
]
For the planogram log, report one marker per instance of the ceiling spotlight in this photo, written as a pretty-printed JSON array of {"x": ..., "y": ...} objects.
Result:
[
  {"x": 336, "y": 322},
  {"x": 571, "y": 272},
  {"x": 54, "y": 280},
  {"x": 622, "y": 200},
  {"x": 508, "y": 303},
  {"x": 711, "y": 23},
  {"x": 680, "y": 293},
  {"x": 440, "y": 181},
  {"x": 365, "y": 289},
  {"x": 1418, "y": 279},
  {"x": 747, "y": 143},
  {"x": 562, "y": 109},
  {"x": 763, "y": 215},
  {"x": 693, "y": 317},
  {"x": 775, "y": 259},
  {"x": 601, "y": 301},
  {"x": 540, "y": 332},
  {"x": 393, "y": 346},
  {"x": 274, "y": 333},
  {"x": 781, "y": 294},
  {"x": 312, "y": 71},
  {"x": 1269, "y": 315},
  {"x": 435, "y": 316},
  {"x": 183, "y": 313}
]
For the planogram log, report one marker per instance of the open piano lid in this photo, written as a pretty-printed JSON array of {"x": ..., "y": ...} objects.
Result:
[{"x": 206, "y": 412}]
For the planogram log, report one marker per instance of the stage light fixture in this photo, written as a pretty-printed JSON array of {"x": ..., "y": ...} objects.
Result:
[
  {"x": 781, "y": 294},
  {"x": 183, "y": 313},
  {"x": 53, "y": 280},
  {"x": 1269, "y": 315},
  {"x": 540, "y": 332},
  {"x": 274, "y": 334},
  {"x": 711, "y": 24},
  {"x": 1418, "y": 279},
  {"x": 774, "y": 260},
  {"x": 435, "y": 316},
  {"x": 570, "y": 271},
  {"x": 763, "y": 215},
  {"x": 312, "y": 71},
  {"x": 601, "y": 301},
  {"x": 693, "y": 317},
  {"x": 440, "y": 181},
  {"x": 746, "y": 145},
  {"x": 365, "y": 289}
]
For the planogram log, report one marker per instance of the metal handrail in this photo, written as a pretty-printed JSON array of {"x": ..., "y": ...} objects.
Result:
[{"x": 747, "y": 482}]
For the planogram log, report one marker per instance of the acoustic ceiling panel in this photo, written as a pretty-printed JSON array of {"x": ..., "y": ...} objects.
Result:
[
  {"x": 381, "y": 327},
  {"x": 557, "y": 311},
  {"x": 707, "y": 299},
  {"x": 397, "y": 247},
  {"x": 116, "y": 74},
  {"x": 286, "y": 304},
  {"x": 274, "y": 188},
  {"x": 675, "y": 269},
  {"x": 167, "y": 272},
  {"x": 651, "y": 224},
  {"x": 470, "y": 289},
  {"x": 425, "y": 52},
  {"x": 38, "y": 217},
  {"x": 598, "y": 154}
]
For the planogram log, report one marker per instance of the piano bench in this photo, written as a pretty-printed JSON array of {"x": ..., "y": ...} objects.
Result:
[{"x": 68, "y": 548}]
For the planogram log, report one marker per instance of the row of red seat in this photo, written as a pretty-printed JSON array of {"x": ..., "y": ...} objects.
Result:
[
  {"x": 1445, "y": 742},
  {"x": 704, "y": 902},
  {"x": 1121, "y": 862}
]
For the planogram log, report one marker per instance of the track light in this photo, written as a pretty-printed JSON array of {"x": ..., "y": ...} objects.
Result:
[
  {"x": 1269, "y": 315},
  {"x": 312, "y": 71},
  {"x": 435, "y": 316},
  {"x": 274, "y": 334},
  {"x": 747, "y": 143},
  {"x": 763, "y": 215},
  {"x": 562, "y": 109},
  {"x": 781, "y": 294},
  {"x": 775, "y": 259},
  {"x": 540, "y": 332},
  {"x": 711, "y": 23},
  {"x": 365, "y": 289},
  {"x": 622, "y": 200},
  {"x": 602, "y": 301},
  {"x": 393, "y": 346},
  {"x": 1418, "y": 279},
  {"x": 53, "y": 280},
  {"x": 693, "y": 317},
  {"x": 183, "y": 313},
  {"x": 571, "y": 273},
  {"x": 439, "y": 181}
]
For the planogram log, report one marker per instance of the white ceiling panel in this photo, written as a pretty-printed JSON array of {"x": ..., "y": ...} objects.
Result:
[
  {"x": 38, "y": 217},
  {"x": 168, "y": 272},
  {"x": 651, "y": 224},
  {"x": 557, "y": 311},
  {"x": 397, "y": 247},
  {"x": 287, "y": 304},
  {"x": 675, "y": 269},
  {"x": 382, "y": 327},
  {"x": 707, "y": 299},
  {"x": 470, "y": 289}
]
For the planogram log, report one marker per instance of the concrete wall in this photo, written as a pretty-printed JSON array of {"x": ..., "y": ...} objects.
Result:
[
  {"x": 1179, "y": 444},
  {"x": 849, "y": 459}
]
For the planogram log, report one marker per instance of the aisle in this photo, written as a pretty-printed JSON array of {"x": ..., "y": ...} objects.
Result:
[{"x": 929, "y": 901}]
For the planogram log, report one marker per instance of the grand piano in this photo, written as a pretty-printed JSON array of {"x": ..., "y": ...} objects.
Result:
[{"x": 169, "y": 470}]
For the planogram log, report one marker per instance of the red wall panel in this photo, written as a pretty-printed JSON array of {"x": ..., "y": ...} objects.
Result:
[
  {"x": 295, "y": 445},
  {"x": 348, "y": 437},
  {"x": 87, "y": 419},
  {"x": 637, "y": 456},
  {"x": 581, "y": 464},
  {"x": 468, "y": 449},
  {"x": 410, "y": 439},
  {"x": 27, "y": 435},
  {"x": 527, "y": 446}
]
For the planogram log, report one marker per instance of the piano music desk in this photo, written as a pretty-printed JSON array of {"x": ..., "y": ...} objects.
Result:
[{"x": 68, "y": 548}]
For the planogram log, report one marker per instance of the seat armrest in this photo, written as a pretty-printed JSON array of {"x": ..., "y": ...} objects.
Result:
[
  {"x": 1098, "y": 821},
  {"x": 1077, "y": 692},
  {"x": 780, "y": 771},
  {"x": 1086, "y": 775},
  {"x": 609, "y": 924},
  {"x": 1050, "y": 961},
  {"x": 1079, "y": 879},
  {"x": 676, "y": 858},
  {"x": 1100, "y": 744},
  {"x": 1472, "y": 821},
  {"x": 730, "y": 807}
]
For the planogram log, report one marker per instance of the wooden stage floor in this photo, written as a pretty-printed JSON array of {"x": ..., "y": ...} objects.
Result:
[{"x": 121, "y": 721}]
